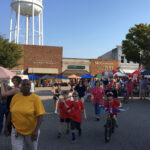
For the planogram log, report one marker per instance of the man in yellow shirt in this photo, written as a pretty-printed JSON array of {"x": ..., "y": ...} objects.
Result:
[{"x": 26, "y": 111}]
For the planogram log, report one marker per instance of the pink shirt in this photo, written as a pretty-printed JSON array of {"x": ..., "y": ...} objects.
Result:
[
  {"x": 130, "y": 86},
  {"x": 98, "y": 93}
]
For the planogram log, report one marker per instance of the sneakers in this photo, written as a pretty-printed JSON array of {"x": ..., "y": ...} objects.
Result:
[
  {"x": 97, "y": 119},
  {"x": 59, "y": 135},
  {"x": 73, "y": 141},
  {"x": 79, "y": 133}
]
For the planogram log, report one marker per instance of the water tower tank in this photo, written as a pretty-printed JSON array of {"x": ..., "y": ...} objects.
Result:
[
  {"x": 26, "y": 6},
  {"x": 29, "y": 9}
]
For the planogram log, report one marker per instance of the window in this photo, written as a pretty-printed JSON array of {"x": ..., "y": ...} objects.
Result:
[
  {"x": 75, "y": 67},
  {"x": 122, "y": 59}
]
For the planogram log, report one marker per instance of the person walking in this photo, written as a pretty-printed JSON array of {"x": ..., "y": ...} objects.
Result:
[
  {"x": 76, "y": 108},
  {"x": 143, "y": 88},
  {"x": 6, "y": 96},
  {"x": 81, "y": 89},
  {"x": 26, "y": 111},
  {"x": 130, "y": 87},
  {"x": 56, "y": 94},
  {"x": 97, "y": 97},
  {"x": 63, "y": 114}
]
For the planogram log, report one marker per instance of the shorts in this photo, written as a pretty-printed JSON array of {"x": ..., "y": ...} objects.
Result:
[
  {"x": 67, "y": 120},
  {"x": 56, "y": 97},
  {"x": 75, "y": 125}
]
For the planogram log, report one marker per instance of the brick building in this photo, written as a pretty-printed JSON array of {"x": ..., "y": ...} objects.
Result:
[
  {"x": 99, "y": 65},
  {"x": 41, "y": 60}
]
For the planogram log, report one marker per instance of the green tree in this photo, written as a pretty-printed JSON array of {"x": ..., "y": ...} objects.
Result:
[
  {"x": 10, "y": 53},
  {"x": 136, "y": 46}
]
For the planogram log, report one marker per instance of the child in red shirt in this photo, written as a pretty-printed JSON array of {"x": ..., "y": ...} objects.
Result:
[
  {"x": 63, "y": 113},
  {"x": 76, "y": 110},
  {"x": 112, "y": 105}
]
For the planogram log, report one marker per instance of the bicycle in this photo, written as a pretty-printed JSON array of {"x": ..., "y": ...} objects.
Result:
[{"x": 109, "y": 126}]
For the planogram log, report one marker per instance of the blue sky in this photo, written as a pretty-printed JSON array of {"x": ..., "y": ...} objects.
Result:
[{"x": 85, "y": 28}]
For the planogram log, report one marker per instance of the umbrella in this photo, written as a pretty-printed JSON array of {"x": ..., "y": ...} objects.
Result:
[
  {"x": 45, "y": 77},
  {"x": 99, "y": 75},
  {"x": 135, "y": 73},
  {"x": 119, "y": 74},
  {"x": 5, "y": 73},
  {"x": 87, "y": 76},
  {"x": 73, "y": 76},
  {"x": 33, "y": 76},
  {"x": 61, "y": 77},
  {"x": 146, "y": 72}
]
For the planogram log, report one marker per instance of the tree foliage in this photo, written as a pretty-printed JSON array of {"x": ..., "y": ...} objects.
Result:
[
  {"x": 136, "y": 47},
  {"x": 10, "y": 53}
]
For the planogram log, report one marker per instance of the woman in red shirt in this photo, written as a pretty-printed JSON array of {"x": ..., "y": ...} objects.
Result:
[
  {"x": 97, "y": 97},
  {"x": 130, "y": 87}
]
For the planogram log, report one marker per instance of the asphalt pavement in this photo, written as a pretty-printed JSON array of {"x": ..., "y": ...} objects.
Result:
[{"x": 133, "y": 132}]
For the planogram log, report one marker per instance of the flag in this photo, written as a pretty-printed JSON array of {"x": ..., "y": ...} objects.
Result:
[{"x": 139, "y": 69}]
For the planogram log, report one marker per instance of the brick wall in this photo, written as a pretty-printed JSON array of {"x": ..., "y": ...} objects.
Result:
[
  {"x": 41, "y": 57},
  {"x": 99, "y": 66}
]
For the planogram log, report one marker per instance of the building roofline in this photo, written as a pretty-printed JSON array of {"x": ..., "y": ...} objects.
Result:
[
  {"x": 40, "y": 45},
  {"x": 77, "y": 58}
]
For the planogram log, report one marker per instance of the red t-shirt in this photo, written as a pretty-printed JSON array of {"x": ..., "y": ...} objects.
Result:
[
  {"x": 130, "y": 86},
  {"x": 76, "y": 111},
  {"x": 98, "y": 93},
  {"x": 63, "y": 110},
  {"x": 114, "y": 105}
]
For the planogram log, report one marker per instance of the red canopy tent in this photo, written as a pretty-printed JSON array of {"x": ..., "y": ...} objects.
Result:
[{"x": 135, "y": 73}]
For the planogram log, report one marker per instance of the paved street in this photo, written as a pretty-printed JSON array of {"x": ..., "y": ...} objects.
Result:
[{"x": 133, "y": 132}]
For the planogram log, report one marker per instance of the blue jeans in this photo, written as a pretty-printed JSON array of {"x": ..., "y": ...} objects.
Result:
[
  {"x": 3, "y": 111},
  {"x": 97, "y": 109}
]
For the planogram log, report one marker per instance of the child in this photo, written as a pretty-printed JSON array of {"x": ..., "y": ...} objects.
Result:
[
  {"x": 88, "y": 94},
  {"x": 112, "y": 105},
  {"x": 76, "y": 110},
  {"x": 56, "y": 94},
  {"x": 70, "y": 94},
  {"x": 64, "y": 114}
]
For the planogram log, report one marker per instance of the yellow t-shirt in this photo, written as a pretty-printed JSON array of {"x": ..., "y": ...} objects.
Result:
[{"x": 24, "y": 112}]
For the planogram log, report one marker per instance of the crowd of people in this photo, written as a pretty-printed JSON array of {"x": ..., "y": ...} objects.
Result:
[
  {"x": 24, "y": 110},
  {"x": 102, "y": 93}
]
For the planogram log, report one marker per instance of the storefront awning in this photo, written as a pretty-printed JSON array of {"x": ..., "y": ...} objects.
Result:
[
  {"x": 75, "y": 71},
  {"x": 126, "y": 71},
  {"x": 43, "y": 70}
]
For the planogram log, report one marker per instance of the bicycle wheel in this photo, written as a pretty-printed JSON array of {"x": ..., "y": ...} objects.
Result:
[
  {"x": 108, "y": 131},
  {"x": 113, "y": 126}
]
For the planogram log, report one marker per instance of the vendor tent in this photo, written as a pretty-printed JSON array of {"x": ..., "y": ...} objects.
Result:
[
  {"x": 146, "y": 72},
  {"x": 73, "y": 76},
  {"x": 61, "y": 77},
  {"x": 99, "y": 75},
  {"x": 33, "y": 77},
  {"x": 5, "y": 73},
  {"x": 87, "y": 76},
  {"x": 45, "y": 77},
  {"x": 119, "y": 74}
]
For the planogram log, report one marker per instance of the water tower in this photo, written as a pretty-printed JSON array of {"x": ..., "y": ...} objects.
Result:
[{"x": 29, "y": 14}]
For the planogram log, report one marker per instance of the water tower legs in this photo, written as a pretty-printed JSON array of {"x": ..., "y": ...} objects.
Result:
[
  {"x": 39, "y": 22},
  {"x": 27, "y": 30},
  {"x": 32, "y": 24},
  {"x": 18, "y": 23},
  {"x": 10, "y": 33},
  {"x": 42, "y": 27}
]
